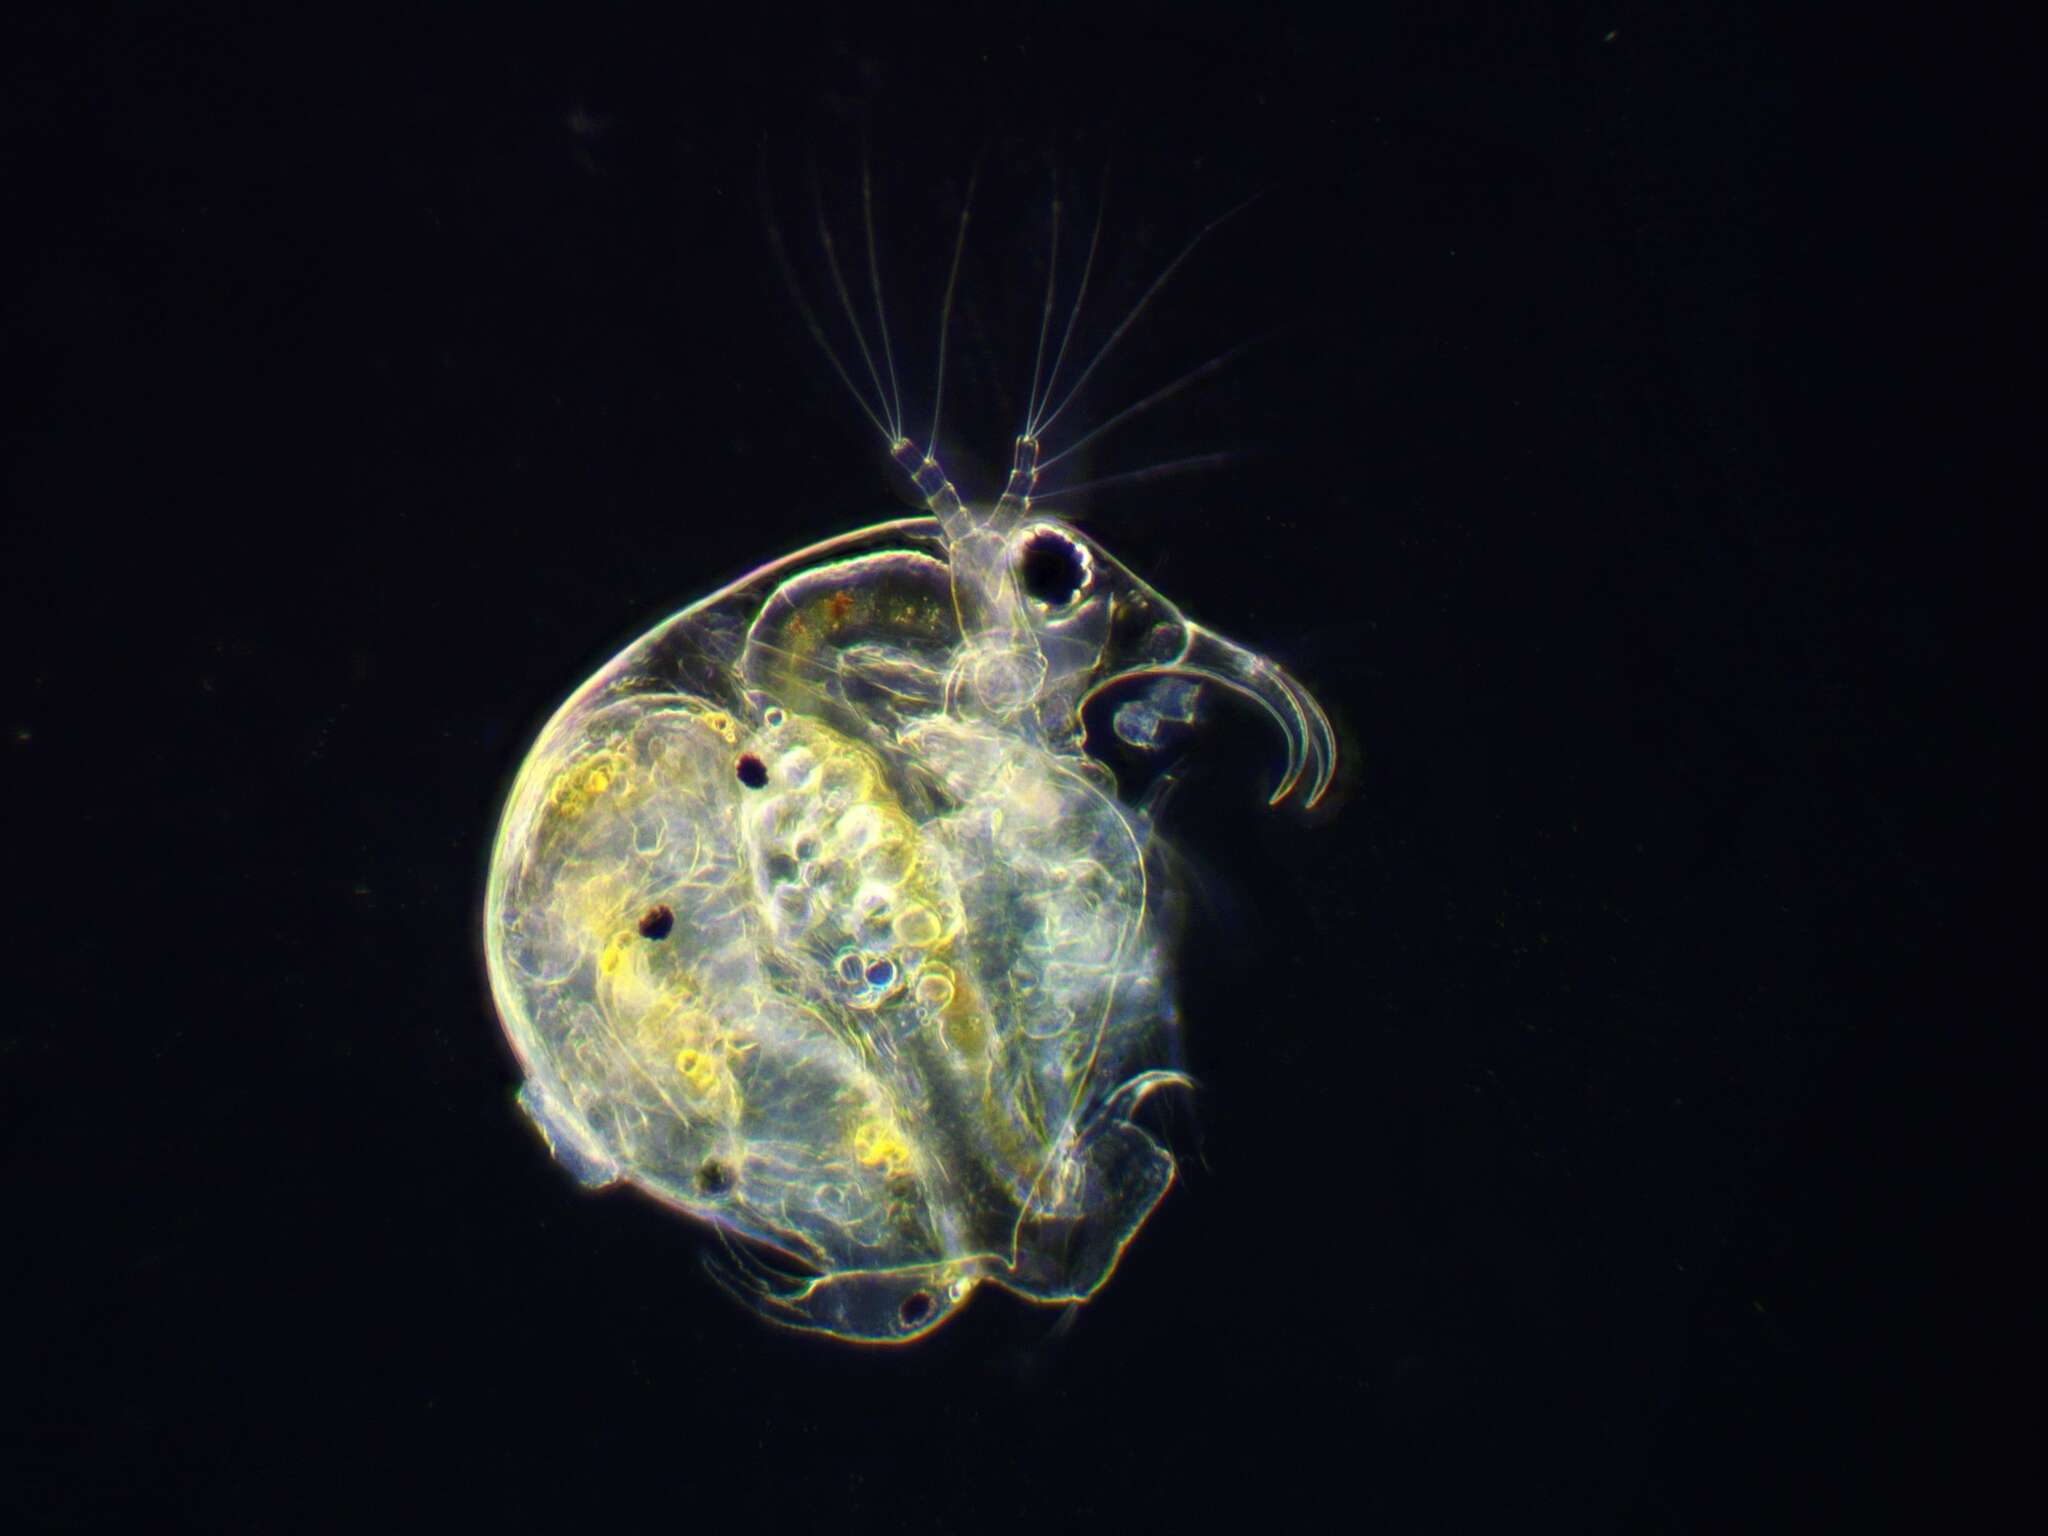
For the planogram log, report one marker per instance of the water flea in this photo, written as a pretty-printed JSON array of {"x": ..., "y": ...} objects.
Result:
[{"x": 919, "y": 691}]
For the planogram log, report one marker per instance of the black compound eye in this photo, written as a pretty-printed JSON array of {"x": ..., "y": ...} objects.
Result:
[
  {"x": 752, "y": 771},
  {"x": 917, "y": 1306},
  {"x": 656, "y": 922},
  {"x": 1051, "y": 568}
]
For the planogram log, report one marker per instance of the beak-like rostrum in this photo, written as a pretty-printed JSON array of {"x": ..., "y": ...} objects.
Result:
[{"x": 1207, "y": 657}]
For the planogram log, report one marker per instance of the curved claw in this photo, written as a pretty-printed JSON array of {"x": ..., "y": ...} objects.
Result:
[{"x": 1311, "y": 744}]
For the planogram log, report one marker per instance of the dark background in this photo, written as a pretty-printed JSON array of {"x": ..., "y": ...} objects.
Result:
[{"x": 1567, "y": 1089}]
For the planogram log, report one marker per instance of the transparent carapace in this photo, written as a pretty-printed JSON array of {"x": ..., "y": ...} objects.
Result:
[{"x": 813, "y": 916}]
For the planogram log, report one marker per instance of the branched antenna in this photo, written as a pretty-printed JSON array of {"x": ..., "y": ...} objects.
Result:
[
  {"x": 1033, "y": 427},
  {"x": 1138, "y": 309},
  {"x": 1160, "y": 471},
  {"x": 1194, "y": 375},
  {"x": 867, "y": 210},
  {"x": 1052, "y": 267},
  {"x": 931, "y": 442},
  {"x": 894, "y": 429},
  {"x": 796, "y": 291}
]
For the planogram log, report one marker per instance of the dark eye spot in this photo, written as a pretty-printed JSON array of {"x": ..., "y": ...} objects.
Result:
[
  {"x": 881, "y": 973},
  {"x": 656, "y": 922},
  {"x": 917, "y": 1306},
  {"x": 752, "y": 771},
  {"x": 1049, "y": 568},
  {"x": 713, "y": 1177}
]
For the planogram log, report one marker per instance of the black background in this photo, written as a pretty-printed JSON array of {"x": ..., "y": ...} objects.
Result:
[{"x": 1564, "y": 1087}]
